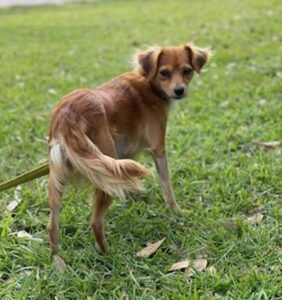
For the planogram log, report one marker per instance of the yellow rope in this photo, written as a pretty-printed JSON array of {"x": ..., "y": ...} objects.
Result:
[{"x": 33, "y": 174}]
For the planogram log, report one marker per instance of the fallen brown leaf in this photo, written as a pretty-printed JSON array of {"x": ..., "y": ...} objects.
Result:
[
  {"x": 268, "y": 146},
  {"x": 150, "y": 249},
  {"x": 26, "y": 235},
  {"x": 184, "y": 264},
  {"x": 12, "y": 205},
  {"x": 255, "y": 219},
  {"x": 199, "y": 264}
]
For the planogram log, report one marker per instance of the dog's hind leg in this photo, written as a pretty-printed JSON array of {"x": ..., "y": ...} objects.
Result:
[
  {"x": 101, "y": 203},
  {"x": 100, "y": 207},
  {"x": 56, "y": 184},
  {"x": 54, "y": 200}
]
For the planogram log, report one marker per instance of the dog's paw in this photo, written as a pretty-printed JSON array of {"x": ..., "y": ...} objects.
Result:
[
  {"x": 174, "y": 207},
  {"x": 59, "y": 263},
  {"x": 101, "y": 249}
]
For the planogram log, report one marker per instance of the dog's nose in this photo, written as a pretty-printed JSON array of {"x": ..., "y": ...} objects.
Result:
[{"x": 179, "y": 91}]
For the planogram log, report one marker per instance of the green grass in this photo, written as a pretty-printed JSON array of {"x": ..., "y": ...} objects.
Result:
[{"x": 216, "y": 175}]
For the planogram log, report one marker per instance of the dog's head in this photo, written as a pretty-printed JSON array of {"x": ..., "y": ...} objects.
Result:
[{"x": 170, "y": 69}]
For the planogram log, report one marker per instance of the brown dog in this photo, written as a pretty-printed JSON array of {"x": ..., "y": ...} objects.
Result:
[{"x": 93, "y": 130}]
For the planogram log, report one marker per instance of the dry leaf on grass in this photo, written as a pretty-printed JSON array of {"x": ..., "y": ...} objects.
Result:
[
  {"x": 262, "y": 101},
  {"x": 51, "y": 91},
  {"x": 224, "y": 104},
  {"x": 255, "y": 219},
  {"x": 211, "y": 271},
  {"x": 199, "y": 264},
  {"x": 268, "y": 146},
  {"x": 150, "y": 249},
  {"x": 26, "y": 235},
  {"x": 184, "y": 264},
  {"x": 12, "y": 205}
]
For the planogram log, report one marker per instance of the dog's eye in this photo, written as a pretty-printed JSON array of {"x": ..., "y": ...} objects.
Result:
[
  {"x": 187, "y": 72},
  {"x": 164, "y": 74}
]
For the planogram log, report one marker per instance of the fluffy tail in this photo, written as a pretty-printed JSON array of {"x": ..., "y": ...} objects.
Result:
[{"x": 112, "y": 176}]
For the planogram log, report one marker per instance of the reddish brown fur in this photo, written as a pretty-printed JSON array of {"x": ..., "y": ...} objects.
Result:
[{"x": 91, "y": 129}]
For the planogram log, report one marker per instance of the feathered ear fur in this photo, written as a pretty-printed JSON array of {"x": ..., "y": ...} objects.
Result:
[
  {"x": 147, "y": 61},
  {"x": 198, "y": 56}
]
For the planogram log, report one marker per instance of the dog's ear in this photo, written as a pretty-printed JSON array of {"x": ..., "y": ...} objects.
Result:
[
  {"x": 147, "y": 61},
  {"x": 198, "y": 57}
]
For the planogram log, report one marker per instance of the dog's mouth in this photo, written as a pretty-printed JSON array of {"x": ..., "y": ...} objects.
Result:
[
  {"x": 178, "y": 97},
  {"x": 175, "y": 97}
]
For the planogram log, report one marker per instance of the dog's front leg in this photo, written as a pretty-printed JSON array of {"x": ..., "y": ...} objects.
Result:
[{"x": 162, "y": 168}]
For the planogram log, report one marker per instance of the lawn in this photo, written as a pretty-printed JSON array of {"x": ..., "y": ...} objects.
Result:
[{"x": 220, "y": 174}]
